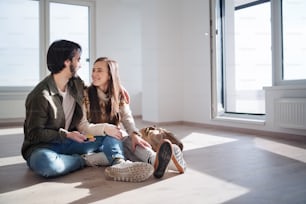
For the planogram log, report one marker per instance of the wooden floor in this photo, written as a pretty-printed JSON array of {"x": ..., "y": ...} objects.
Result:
[{"x": 223, "y": 167}]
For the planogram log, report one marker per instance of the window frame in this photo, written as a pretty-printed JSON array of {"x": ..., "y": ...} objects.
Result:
[
  {"x": 217, "y": 111},
  {"x": 277, "y": 47},
  {"x": 19, "y": 92}
]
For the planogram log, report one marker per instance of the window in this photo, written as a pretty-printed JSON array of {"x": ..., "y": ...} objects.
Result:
[
  {"x": 244, "y": 56},
  {"x": 256, "y": 43},
  {"x": 19, "y": 47},
  {"x": 63, "y": 25},
  {"x": 293, "y": 39},
  {"x": 26, "y": 33}
]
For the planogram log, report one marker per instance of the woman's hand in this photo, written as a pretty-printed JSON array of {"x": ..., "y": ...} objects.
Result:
[
  {"x": 113, "y": 131},
  {"x": 136, "y": 140}
]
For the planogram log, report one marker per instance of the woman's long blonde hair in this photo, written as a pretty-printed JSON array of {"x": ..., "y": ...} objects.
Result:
[{"x": 114, "y": 92}]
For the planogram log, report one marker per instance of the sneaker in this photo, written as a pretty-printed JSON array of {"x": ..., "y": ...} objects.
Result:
[
  {"x": 163, "y": 157},
  {"x": 118, "y": 161},
  {"x": 178, "y": 159},
  {"x": 129, "y": 171},
  {"x": 95, "y": 159}
]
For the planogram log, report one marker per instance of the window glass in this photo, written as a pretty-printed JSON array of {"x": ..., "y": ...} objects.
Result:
[
  {"x": 246, "y": 55},
  {"x": 19, "y": 46},
  {"x": 71, "y": 22},
  {"x": 294, "y": 39}
]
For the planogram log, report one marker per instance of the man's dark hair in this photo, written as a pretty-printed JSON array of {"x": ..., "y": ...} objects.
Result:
[{"x": 58, "y": 52}]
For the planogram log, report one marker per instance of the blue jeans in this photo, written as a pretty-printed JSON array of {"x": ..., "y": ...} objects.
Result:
[{"x": 63, "y": 158}]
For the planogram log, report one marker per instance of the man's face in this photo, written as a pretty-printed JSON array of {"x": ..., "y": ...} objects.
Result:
[{"x": 75, "y": 64}]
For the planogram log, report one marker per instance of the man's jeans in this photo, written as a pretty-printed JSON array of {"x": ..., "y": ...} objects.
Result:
[{"x": 65, "y": 157}]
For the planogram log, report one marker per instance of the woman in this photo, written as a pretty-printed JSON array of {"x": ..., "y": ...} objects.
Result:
[{"x": 107, "y": 102}]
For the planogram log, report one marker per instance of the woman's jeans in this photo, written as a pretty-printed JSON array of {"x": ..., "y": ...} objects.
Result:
[{"x": 65, "y": 157}]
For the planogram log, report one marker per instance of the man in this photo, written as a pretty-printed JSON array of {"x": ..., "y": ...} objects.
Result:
[{"x": 52, "y": 145}]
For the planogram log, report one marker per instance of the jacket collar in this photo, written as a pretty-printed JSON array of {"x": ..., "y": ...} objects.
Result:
[
  {"x": 53, "y": 88},
  {"x": 52, "y": 85}
]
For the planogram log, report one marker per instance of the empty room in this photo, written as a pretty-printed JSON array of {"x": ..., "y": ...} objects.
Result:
[{"x": 153, "y": 101}]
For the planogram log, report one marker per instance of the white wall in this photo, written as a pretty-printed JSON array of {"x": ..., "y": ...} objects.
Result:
[
  {"x": 12, "y": 106},
  {"x": 118, "y": 35},
  {"x": 162, "y": 61},
  {"x": 196, "y": 61}
]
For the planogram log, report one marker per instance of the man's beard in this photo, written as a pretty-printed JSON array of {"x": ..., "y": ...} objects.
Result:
[{"x": 73, "y": 71}]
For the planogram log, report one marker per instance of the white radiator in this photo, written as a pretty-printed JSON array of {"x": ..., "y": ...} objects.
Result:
[{"x": 290, "y": 113}]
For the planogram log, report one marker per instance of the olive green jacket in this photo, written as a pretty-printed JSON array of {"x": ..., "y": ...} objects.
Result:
[{"x": 45, "y": 115}]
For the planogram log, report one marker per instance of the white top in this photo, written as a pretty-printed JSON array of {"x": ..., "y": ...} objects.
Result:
[{"x": 68, "y": 106}]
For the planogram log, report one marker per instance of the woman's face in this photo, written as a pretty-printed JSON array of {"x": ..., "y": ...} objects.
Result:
[{"x": 100, "y": 74}]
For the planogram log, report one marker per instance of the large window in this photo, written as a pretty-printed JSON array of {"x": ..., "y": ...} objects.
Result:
[
  {"x": 27, "y": 29},
  {"x": 65, "y": 25},
  {"x": 294, "y": 39},
  {"x": 257, "y": 43},
  {"x": 19, "y": 47},
  {"x": 245, "y": 57}
]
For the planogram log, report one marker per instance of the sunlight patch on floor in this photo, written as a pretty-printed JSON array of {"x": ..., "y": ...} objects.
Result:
[
  {"x": 11, "y": 131},
  {"x": 199, "y": 140},
  {"x": 198, "y": 188},
  {"x": 285, "y": 150},
  {"x": 11, "y": 160},
  {"x": 54, "y": 192}
]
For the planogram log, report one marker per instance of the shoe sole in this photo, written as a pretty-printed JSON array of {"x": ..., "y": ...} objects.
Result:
[
  {"x": 163, "y": 158},
  {"x": 137, "y": 172}
]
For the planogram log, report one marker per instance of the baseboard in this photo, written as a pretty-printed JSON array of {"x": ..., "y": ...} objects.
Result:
[
  {"x": 11, "y": 122},
  {"x": 263, "y": 133}
]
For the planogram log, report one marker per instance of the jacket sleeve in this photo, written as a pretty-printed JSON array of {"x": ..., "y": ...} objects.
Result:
[
  {"x": 37, "y": 125},
  {"x": 127, "y": 119},
  {"x": 89, "y": 128}
]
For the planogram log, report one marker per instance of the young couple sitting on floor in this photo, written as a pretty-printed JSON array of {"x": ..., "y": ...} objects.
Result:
[{"x": 61, "y": 113}]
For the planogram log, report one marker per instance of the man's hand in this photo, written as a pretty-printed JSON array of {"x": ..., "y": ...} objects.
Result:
[
  {"x": 79, "y": 137},
  {"x": 125, "y": 95}
]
